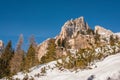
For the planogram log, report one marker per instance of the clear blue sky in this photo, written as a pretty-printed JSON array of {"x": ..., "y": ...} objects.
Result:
[{"x": 44, "y": 18}]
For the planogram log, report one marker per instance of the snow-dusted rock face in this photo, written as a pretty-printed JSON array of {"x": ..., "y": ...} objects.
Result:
[
  {"x": 71, "y": 28},
  {"x": 81, "y": 41},
  {"x": 103, "y": 32},
  {"x": 69, "y": 31},
  {"x": 76, "y": 34},
  {"x": 117, "y": 34},
  {"x": 73, "y": 32}
]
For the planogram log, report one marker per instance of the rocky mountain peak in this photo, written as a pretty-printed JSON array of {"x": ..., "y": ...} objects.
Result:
[
  {"x": 76, "y": 24},
  {"x": 75, "y": 34},
  {"x": 102, "y": 31},
  {"x": 72, "y": 27}
]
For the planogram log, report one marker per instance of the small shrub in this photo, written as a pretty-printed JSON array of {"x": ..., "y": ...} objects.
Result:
[
  {"x": 109, "y": 78},
  {"x": 43, "y": 70},
  {"x": 17, "y": 79},
  {"x": 91, "y": 77},
  {"x": 26, "y": 77},
  {"x": 37, "y": 75}
]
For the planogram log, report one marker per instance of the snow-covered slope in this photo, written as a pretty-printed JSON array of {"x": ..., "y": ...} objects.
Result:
[{"x": 108, "y": 69}]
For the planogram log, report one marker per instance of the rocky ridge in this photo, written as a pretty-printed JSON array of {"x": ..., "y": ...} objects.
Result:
[
  {"x": 72, "y": 27},
  {"x": 75, "y": 34},
  {"x": 102, "y": 31}
]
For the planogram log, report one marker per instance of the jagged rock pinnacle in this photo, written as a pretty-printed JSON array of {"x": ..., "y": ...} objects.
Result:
[
  {"x": 75, "y": 34},
  {"x": 72, "y": 27}
]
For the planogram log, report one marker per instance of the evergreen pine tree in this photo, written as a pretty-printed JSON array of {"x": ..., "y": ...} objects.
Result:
[
  {"x": 51, "y": 53},
  {"x": 16, "y": 63},
  {"x": 112, "y": 40},
  {"x": 5, "y": 60},
  {"x": 30, "y": 59},
  {"x": 97, "y": 38},
  {"x": 32, "y": 41}
]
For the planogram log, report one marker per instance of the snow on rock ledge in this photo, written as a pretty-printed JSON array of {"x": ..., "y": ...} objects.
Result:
[{"x": 102, "y": 31}]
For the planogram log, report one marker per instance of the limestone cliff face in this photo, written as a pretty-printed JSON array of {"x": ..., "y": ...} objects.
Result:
[
  {"x": 70, "y": 32},
  {"x": 117, "y": 34},
  {"x": 82, "y": 41},
  {"x": 103, "y": 32},
  {"x": 75, "y": 34},
  {"x": 71, "y": 28},
  {"x": 42, "y": 48}
]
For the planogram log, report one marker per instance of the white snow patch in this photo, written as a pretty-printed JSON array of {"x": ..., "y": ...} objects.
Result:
[{"x": 108, "y": 68}]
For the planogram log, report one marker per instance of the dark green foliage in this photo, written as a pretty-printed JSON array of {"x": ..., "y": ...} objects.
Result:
[
  {"x": 5, "y": 60},
  {"x": 51, "y": 53},
  {"x": 90, "y": 31},
  {"x": 85, "y": 57},
  {"x": 59, "y": 42},
  {"x": 64, "y": 43},
  {"x": 99, "y": 56},
  {"x": 81, "y": 60},
  {"x": 116, "y": 39},
  {"x": 11, "y": 63},
  {"x": 114, "y": 50},
  {"x": 97, "y": 38},
  {"x": 112, "y": 40},
  {"x": 30, "y": 59}
]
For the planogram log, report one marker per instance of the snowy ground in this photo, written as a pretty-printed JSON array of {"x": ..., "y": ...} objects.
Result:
[{"x": 108, "y": 69}]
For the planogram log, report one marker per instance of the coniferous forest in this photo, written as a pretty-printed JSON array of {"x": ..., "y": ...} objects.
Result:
[{"x": 16, "y": 60}]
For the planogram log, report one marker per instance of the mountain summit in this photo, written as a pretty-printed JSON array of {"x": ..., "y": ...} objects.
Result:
[
  {"x": 76, "y": 34},
  {"x": 72, "y": 27}
]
